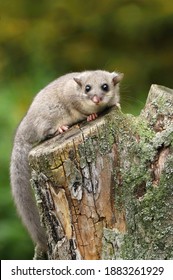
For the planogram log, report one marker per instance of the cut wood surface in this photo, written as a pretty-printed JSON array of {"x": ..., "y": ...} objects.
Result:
[{"x": 105, "y": 188}]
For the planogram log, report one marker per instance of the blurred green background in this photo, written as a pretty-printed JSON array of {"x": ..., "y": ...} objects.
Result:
[{"x": 41, "y": 40}]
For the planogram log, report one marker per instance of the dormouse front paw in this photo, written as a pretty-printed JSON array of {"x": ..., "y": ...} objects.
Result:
[
  {"x": 92, "y": 117},
  {"x": 63, "y": 128}
]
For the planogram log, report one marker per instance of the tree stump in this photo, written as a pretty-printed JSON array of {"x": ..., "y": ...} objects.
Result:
[{"x": 104, "y": 189}]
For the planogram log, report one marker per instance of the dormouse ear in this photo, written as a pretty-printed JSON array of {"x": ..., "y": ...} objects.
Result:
[
  {"x": 117, "y": 77},
  {"x": 78, "y": 81}
]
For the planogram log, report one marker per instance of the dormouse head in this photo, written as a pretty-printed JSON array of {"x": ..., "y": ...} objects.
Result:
[{"x": 100, "y": 87}]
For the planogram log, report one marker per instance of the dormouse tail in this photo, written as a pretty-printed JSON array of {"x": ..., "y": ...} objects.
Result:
[{"x": 22, "y": 192}]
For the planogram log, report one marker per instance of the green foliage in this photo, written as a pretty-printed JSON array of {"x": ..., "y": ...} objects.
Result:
[{"x": 40, "y": 40}]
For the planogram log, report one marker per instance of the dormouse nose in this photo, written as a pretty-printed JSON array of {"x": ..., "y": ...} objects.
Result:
[{"x": 96, "y": 99}]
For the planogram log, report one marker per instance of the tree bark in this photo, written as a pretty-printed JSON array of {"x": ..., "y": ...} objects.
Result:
[{"x": 105, "y": 189}]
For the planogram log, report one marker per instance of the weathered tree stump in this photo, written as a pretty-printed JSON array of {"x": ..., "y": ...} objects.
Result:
[{"x": 105, "y": 188}]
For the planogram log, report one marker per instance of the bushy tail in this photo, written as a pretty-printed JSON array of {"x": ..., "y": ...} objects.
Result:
[{"x": 22, "y": 192}]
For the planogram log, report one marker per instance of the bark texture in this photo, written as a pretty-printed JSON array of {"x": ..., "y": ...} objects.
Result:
[{"x": 105, "y": 189}]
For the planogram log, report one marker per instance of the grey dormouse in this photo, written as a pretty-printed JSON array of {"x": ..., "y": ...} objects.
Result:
[{"x": 64, "y": 102}]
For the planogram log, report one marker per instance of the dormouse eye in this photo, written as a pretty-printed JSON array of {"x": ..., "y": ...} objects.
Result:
[
  {"x": 105, "y": 87},
  {"x": 87, "y": 88}
]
